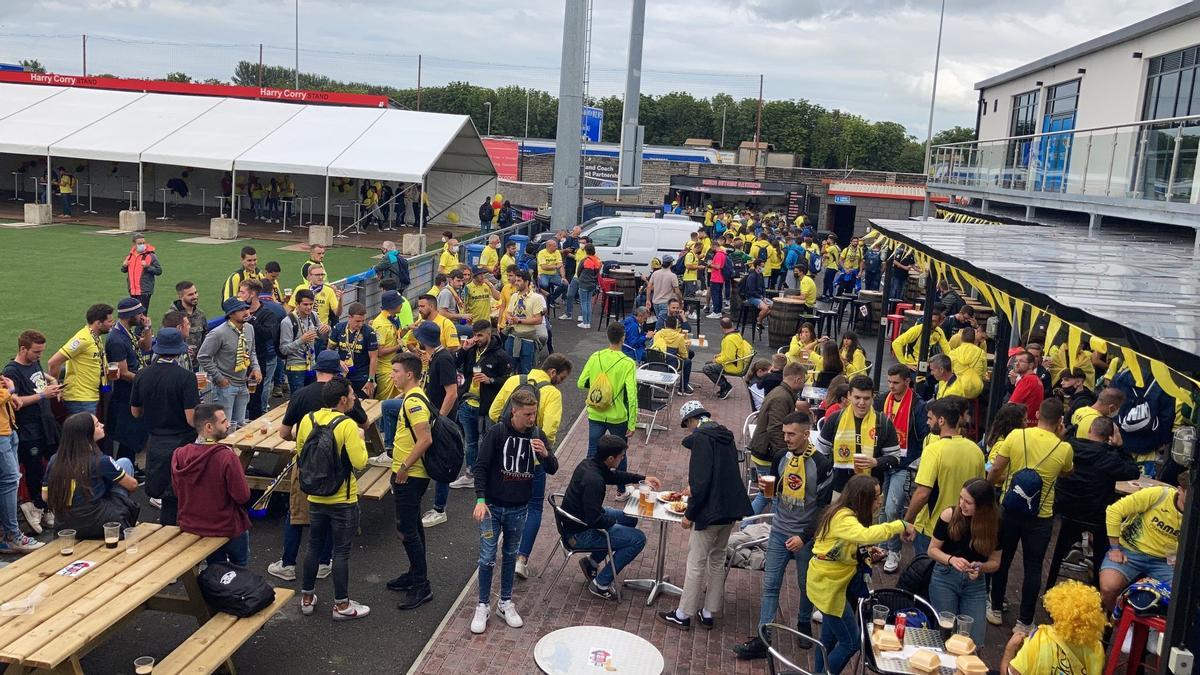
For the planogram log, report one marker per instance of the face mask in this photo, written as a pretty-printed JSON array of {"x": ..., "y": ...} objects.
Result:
[
  {"x": 141, "y": 248},
  {"x": 454, "y": 249}
]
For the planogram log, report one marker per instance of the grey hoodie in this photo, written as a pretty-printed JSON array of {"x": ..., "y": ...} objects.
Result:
[{"x": 218, "y": 354}]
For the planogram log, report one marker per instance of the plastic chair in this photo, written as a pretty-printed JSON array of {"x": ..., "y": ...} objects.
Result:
[
  {"x": 1141, "y": 627},
  {"x": 768, "y": 632},
  {"x": 896, "y": 600},
  {"x": 561, "y": 518},
  {"x": 744, "y": 447}
]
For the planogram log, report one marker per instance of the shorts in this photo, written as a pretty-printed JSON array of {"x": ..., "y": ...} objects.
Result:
[
  {"x": 758, "y": 303},
  {"x": 1139, "y": 565}
]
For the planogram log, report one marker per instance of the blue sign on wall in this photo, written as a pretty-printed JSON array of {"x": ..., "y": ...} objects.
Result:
[
  {"x": 841, "y": 199},
  {"x": 593, "y": 121}
]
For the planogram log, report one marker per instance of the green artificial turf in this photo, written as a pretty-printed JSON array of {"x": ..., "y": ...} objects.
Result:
[{"x": 51, "y": 275}]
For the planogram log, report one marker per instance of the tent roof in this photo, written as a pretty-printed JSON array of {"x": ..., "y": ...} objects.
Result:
[
  {"x": 1126, "y": 288},
  {"x": 241, "y": 134}
]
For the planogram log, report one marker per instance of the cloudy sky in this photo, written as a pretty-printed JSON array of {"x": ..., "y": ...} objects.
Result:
[{"x": 870, "y": 57}]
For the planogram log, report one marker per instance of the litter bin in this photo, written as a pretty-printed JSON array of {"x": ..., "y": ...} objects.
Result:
[{"x": 474, "y": 251}]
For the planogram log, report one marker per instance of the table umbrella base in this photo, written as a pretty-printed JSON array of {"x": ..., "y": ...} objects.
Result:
[{"x": 654, "y": 587}]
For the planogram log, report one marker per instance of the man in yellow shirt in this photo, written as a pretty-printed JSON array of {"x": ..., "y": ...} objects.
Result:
[
  {"x": 1071, "y": 644},
  {"x": 1107, "y": 404},
  {"x": 693, "y": 262},
  {"x": 734, "y": 358},
  {"x": 66, "y": 188},
  {"x": 672, "y": 341},
  {"x": 830, "y": 257},
  {"x": 87, "y": 367},
  {"x": 249, "y": 270},
  {"x": 387, "y": 325},
  {"x": 489, "y": 260},
  {"x": 551, "y": 272},
  {"x": 808, "y": 287},
  {"x": 946, "y": 465},
  {"x": 948, "y": 384},
  {"x": 336, "y": 515},
  {"x": 1143, "y": 535},
  {"x": 327, "y": 297},
  {"x": 1039, "y": 448},
  {"x": 448, "y": 261},
  {"x": 480, "y": 294},
  {"x": 509, "y": 259},
  {"x": 409, "y": 478},
  {"x": 427, "y": 311},
  {"x": 907, "y": 344}
]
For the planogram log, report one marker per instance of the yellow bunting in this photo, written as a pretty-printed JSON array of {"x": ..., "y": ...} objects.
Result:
[
  {"x": 1134, "y": 365},
  {"x": 1162, "y": 375},
  {"x": 1074, "y": 337},
  {"x": 1052, "y": 329}
]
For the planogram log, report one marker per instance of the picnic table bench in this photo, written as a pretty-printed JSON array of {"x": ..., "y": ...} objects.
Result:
[
  {"x": 262, "y": 436},
  {"x": 216, "y": 641},
  {"x": 93, "y": 591}
]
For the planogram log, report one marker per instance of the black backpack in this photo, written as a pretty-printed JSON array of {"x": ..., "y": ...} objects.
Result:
[
  {"x": 1024, "y": 494},
  {"x": 234, "y": 590},
  {"x": 485, "y": 212},
  {"x": 915, "y": 578},
  {"x": 323, "y": 463},
  {"x": 529, "y": 385},
  {"x": 444, "y": 458}
]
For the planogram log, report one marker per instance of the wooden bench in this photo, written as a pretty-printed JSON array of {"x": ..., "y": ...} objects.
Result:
[
  {"x": 375, "y": 482},
  {"x": 216, "y": 641}
]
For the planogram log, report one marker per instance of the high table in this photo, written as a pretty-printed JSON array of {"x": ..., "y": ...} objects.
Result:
[
  {"x": 1128, "y": 487},
  {"x": 915, "y": 638},
  {"x": 664, "y": 518},
  {"x": 596, "y": 649}
]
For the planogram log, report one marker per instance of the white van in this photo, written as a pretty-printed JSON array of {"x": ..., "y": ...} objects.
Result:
[{"x": 633, "y": 241}]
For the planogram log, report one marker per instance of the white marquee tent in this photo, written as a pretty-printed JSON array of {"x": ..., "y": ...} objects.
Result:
[{"x": 443, "y": 153}]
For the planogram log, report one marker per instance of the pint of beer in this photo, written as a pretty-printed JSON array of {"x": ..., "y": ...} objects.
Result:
[
  {"x": 252, "y": 386},
  {"x": 114, "y": 371},
  {"x": 768, "y": 486},
  {"x": 202, "y": 380},
  {"x": 645, "y": 499}
]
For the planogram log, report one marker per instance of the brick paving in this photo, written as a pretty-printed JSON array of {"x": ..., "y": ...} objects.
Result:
[{"x": 453, "y": 649}]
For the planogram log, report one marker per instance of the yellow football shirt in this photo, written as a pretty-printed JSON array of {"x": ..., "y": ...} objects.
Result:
[{"x": 85, "y": 366}]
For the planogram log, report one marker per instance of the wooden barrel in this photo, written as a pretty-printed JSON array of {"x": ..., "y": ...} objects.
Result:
[
  {"x": 785, "y": 315},
  {"x": 735, "y": 299},
  {"x": 627, "y": 284}
]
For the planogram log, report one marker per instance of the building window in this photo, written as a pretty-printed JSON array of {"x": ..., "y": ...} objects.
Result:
[
  {"x": 1024, "y": 114},
  {"x": 1062, "y": 99},
  {"x": 1173, "y": 85}
]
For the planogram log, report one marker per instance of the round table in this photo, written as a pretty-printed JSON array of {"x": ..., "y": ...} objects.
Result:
[{"x": 585, "y": 649}]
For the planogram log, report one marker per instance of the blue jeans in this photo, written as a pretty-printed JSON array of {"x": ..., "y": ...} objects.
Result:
[
  {"x": 509, "y": 520},
  {"x": 921, "y": 544},
  {"x": 73, "y": 407},
  {"x": 684, "y": 366},
  {"x": 952, "y": 591},
  {"x": 598, "y": 429},
  {"x": 533, "y": 517},
  {"x": 775, "y": 567},
  {"x": 234, "y": 399},
  {"x": 264, "y": 387},
  {"x": 627, "y": 542},
  {"x": 571, "y": 295},
  {"x": 468, "y": 419},
  {"x": 334, "y": 523},
  {"x": 896, "y": 484},
  {"x": 389, "y": 418},
  {"x": 66, "y": 203},
  {"x": 896, "y": 290},
  {"x": 296, "y": 379},
  {"x": 292, "y": 536},
  {"x": 10, "y": 478},
  {"x": 279, "y": 377},
  {"x": 586, "y": 297},
  {"x": 839, "y": 634},
  {"x": 660, "y": 314},
  {"x": 553, "y": 285},
  {"x": 528, "y": 351},
  {"x": 236, "y": 551},
  {"x": 827, "y": 283},
  {"x": 715, "y": 290}
]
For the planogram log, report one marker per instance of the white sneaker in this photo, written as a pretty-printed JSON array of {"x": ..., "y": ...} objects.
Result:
[
  {"x": 382, "y": 459},
  {"x": 308, "y": 609},
  {"x": 155, "y": 502},
  {"x": 22, "y": 544},
  {"x": 48, "y": 518},
  {"x": 994, "y": 617},
  {"x": 479, "y": 622},
  {"x": 508, "y": 611},
  {"x": 565, "y": 317},
  {"x": 817, "y": 616},
  {"x": 323, "y": 571},
  {"x": 433, "y": 517},
  {"x": 285, "y": 572},
  {"x": 626, "y": 495},
  {"x": 353, "y": 611},
  {"x": 522, "y": 568},
  {"x": 33, "y": 516},
  {"x": 692, "y": 316},
  {"x": 464, "y": 481},
  {"x": 892, "y": 563},
  {"x": 712, "y": 315}
]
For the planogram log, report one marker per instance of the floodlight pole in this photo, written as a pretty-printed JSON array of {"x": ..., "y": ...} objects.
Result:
[
  {"x": 937, "y": 59},
  {"x": 297, "y": 44},
  {"x": 326, "y": 199}
]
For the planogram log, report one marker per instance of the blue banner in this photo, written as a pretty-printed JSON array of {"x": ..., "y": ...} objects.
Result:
[{"x": 593, "y": 122}]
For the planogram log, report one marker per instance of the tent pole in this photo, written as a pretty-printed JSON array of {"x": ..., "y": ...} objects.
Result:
[
  {"x": 926, "y": 328},
  {"x": 49, "y": 175},
  {"x": 326, "y": 200},
  {"x": 140, "y": 165},
  {"x": 233, "y": 194},
  {"x": 421, "y": 207},
  {"x": 883, "y": 312}
]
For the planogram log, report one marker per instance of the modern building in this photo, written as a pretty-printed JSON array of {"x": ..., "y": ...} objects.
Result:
[{"x": 1108, "y": 128}]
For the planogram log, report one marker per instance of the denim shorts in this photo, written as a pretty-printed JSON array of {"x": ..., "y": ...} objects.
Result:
[{"x": 1138, "y": 565}]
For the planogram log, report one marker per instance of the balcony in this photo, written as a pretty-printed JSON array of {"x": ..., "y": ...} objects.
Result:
[{"x": 1144, "y": 171}]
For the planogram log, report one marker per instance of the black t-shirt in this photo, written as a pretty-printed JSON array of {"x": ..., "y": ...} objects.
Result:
[
  {"x": 959, "y": 548},
  {"x": 29, "y": 380},
  {"x": 164, "y": 390},
  {"x": 119, "y": 347},
  {"x": 308, "y": 399},
  {"x": 355, "y": 346},
  {"x": 441, "y": 372}
]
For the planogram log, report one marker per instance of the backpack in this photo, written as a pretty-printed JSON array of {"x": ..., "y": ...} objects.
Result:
[
  {"x": 678, "y": 266},
  {"x": 1140, "y": 417},
  {"x": 323, "y": 463},
  {"x": 530, "y": 386},
  {"x": 915, "y": 578},
  {"x": 444, "y": 458},
  {"x": 727, "y": 267},
  {"x": 1024, "y": 494},
  {"x": 485, "y": 212},
  {"x": 600, "y": 393},
  {"x": 234, "y": 590},
  {"x": 744, "y": 287}
]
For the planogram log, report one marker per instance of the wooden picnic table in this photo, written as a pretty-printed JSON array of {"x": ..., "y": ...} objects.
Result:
[
  {"x": 80, "y": 612},
  {"x": 262, "y": 436}
]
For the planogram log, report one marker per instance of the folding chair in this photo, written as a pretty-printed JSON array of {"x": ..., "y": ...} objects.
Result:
[
  {"x": 896, "y": 600},
  {"x": 569, "y": 549},
  {"x": 770, "y": 634},
  {"x": 655, "y": 399}
]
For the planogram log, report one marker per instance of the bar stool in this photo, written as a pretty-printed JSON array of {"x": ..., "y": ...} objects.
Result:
[
  {"x": 612, "y": 299},
  {"x": 895, "y": 324},
  {"x": 749, "y": 315},
  {"x": 857, "y": 317},
  {"x": 1141, "y": 627},
  {"x": 826, "y": 318}
]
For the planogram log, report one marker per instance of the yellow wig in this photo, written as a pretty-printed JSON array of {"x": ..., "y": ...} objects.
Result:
[{"x": 1075, "y": 608}]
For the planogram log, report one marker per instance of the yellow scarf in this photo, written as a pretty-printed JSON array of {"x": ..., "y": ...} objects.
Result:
[
  {"x": 794, "y": 478},
  {"x": 846, "y": 442},
  {"x": 242, "y": 357}
]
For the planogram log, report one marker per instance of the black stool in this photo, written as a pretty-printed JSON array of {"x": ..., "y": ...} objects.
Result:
[
  {"x": 826, "y": 318},
  {"x": 857, "y": 316},
  {"x": 749, "y": 315},
  {"x": 612, "y": 298}
]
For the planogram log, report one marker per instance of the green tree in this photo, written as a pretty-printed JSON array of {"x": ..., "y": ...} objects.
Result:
[
  {"x": 33, "y": 65},
  {"x": 954, "y": 135},
  {"x": 178, "y": 77}
]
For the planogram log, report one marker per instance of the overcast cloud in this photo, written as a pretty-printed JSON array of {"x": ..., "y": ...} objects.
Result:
[{"x": 869, "y": 57}]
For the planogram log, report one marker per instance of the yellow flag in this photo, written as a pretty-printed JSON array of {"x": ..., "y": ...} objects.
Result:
[
  {"x": 1134, "y": 364},
  {"x": 1162, "y": 375}
]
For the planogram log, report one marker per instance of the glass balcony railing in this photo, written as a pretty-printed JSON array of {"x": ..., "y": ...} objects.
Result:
[{"x": 1154, "y": 160}]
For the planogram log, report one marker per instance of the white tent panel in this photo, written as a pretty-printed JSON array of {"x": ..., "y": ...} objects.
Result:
[
  {"x": 459, "y": 193},
  {"x": 308, "y": 142},
  {"x": 216, "y": 138},
  {"x": 465, "y": 154},
  {"x": 17, "y": 97},
  {"x": 32, "y": 130},
  {"x": 403, "y": 146},
  {"x": 123, "y": 135}
]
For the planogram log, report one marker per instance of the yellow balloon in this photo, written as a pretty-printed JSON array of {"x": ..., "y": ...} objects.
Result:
[
  {"x": 499, "y": 198},
  {"x": 453, "y": 217}
]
